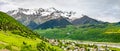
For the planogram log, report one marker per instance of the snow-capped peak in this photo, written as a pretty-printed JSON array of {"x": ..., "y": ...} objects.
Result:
[
  {"x": 52, "y": 9},
  {"x": 41, "y": 12}
]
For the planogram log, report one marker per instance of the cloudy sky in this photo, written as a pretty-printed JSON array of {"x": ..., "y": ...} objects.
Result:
[{"x": 105, "y": 10}]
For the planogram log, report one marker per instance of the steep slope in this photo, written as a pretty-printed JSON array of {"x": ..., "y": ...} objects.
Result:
[
  {"x": 16, "y": 37},
  {"x": 59, "y": 22},
  {"x": 85, "y": 20},
  {"x": 38, "y": 16}
]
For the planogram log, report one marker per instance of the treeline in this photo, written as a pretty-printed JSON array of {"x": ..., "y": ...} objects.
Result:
[{"x": 84, "y": 32}]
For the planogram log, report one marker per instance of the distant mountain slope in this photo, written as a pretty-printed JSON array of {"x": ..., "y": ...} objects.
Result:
[
  {"x": 16, "y": 37},
  {"x": 118, "y": 23},
  {"x": 32, "y": 25},
  {"x": 38, "y": 16},
  {"x": 59, "y": 22},
  {"x": 85, "y": 20}
]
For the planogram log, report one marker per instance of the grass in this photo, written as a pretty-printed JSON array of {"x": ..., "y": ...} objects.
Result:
[
  {"x": 114, "y": 49},
  {"x": 16, "y": 42}
]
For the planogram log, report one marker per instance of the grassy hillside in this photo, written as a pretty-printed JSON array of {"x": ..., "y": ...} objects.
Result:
[
  {"x": 9, "y": 23},
  {"x": 98, "y": 32},
  {"x": 16, "y": 37},
  {"x": 18, "y": 43}
]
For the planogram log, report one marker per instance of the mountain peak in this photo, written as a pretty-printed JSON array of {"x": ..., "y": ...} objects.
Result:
[
  {"x": 52, "y": 9},
  {"x": 85, "y": 16},
  {"x": 85, "y": 20},
  {"x": 22, "y": 9},
  {"x": 40, "y": 11}
]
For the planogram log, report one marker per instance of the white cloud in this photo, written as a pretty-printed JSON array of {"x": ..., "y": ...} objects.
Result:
[{"x": 5, "y": 6}]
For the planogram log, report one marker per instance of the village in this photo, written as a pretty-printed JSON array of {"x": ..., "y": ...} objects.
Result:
[{"x": 77, "y": 46}]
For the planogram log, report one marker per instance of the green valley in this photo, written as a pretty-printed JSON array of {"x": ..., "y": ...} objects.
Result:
[
  {"x": 104, "y": 37},
  {"x": 98, "y": 32}
]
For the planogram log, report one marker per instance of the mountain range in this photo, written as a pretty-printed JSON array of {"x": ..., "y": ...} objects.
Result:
[
  {"x": 49, "y": 18},
  {"x": 37, "y": 16}
]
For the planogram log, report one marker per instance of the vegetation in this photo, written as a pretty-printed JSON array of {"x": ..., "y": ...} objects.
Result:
[
  {"x": 16, "y": 37},
  {"x": 19, "y": 43},
  {"x": 114, "y": 49},
  {"x": 87, "y": 32}
]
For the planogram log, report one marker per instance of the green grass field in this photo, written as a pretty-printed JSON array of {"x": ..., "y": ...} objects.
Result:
[{"x": 16, "y": 43}]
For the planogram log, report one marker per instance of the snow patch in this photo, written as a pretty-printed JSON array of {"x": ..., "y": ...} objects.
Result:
[
  {"x": 29, "y": 12},
  {"x": 45, "y": 13}
]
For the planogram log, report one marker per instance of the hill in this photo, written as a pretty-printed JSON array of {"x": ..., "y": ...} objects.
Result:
[
  {"x": 7, "y": 23},
  {"x": 16, "y": 37}
]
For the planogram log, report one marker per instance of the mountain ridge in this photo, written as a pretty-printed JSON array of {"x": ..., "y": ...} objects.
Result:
[
  {"x": 37, "y": 17},
  {"x": 59, "y": 22},
  {"x": 86, "y": 20}
]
